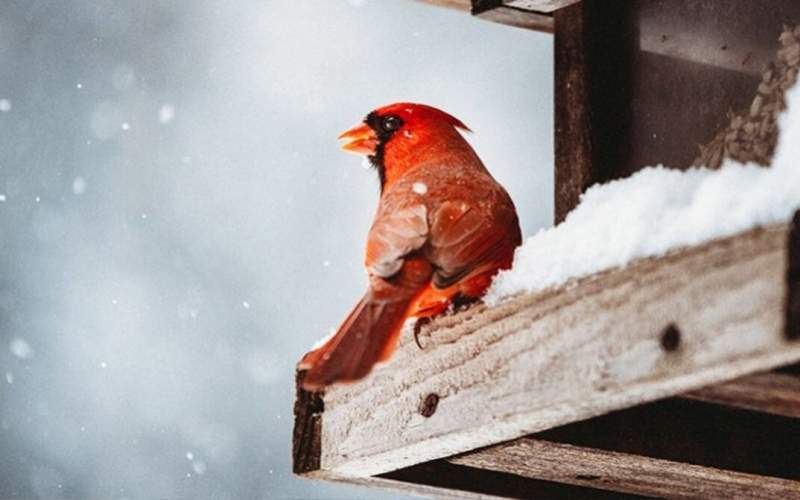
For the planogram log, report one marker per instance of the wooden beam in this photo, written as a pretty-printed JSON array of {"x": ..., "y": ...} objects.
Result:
[
  {"x": 518, "y": 18},
  {"x": 573, "y": 146},
  {"x": 496, "y": 11},
  {"x": 793, "y": 281},
  {"x": 691, "y": 431},
  {"x": 500, "y": 12},
  {"x": 660, "y": 327},
  {"x": 594, "y": 105},
  {"x": 615, "y": 471},
  {"x": 457, "y": 481},
  {"x": 463, "y": 5},
  {"x": 540, "y": 5},
  {"x": 308, "y": 408},
  {"x": 775, "y": 393}
]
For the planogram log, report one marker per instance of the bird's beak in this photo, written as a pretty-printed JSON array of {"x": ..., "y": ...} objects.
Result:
[{"x": 361, "y": 140}]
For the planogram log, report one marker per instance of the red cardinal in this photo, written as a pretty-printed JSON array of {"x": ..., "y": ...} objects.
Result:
[{"x": 444, "y": 227}]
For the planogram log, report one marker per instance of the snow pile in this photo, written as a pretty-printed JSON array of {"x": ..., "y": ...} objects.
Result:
[{"x": 657, "y": 210}]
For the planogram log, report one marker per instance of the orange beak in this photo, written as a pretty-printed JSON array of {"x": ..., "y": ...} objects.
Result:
[{"x": 361, "y": 140}]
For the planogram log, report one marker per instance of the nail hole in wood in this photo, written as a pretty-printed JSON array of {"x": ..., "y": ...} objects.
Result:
[
  {"x": 671, "y": 338},
  {"x": 429, "y": 405}
]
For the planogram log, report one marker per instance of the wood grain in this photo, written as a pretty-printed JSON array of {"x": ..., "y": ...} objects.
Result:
[
  {"x": 458, "y": 480},
  {"x": 793, "y": 281},
  {"x": 540, "y": 5},
  {"x": 545, "y": 359},
  {"x": 463, "y": 5},
  {"x": 774, "y": 393},
  {"x": 497, "y": 12},
  {"x": 573, "y": 144},
  {"x": 692, "y": 431},
  {"x": 308, "y": 408},
  {"x": 623, "y": 472}
]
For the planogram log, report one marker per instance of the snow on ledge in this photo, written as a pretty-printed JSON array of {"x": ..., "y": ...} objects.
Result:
[{"x": 657, "y": 210}]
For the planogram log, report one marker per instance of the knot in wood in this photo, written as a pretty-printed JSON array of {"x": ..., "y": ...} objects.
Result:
[
  {"x": 671, "y": 338},
  {"x": 429, "y": 404}
]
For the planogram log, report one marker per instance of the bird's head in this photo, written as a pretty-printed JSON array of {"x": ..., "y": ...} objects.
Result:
[{"x": 399, "y": 136}]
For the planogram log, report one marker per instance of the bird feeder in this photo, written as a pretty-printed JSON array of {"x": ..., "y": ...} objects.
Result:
[{"x": 675, "y": 376}]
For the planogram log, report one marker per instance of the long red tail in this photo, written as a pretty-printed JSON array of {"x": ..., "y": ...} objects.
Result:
[{"x": 368, "y": 335}]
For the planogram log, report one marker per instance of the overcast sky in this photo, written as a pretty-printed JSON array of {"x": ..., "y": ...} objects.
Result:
[{"x": 177, "y": 224}]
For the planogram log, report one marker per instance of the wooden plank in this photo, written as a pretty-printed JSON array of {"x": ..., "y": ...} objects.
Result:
[
  {"x": 793, "y": 281},
  {"x": 548, "y": 6},
  {"x": 615, "y": 471},
  {"x": 422, "y": 481},
  {"x": 573, "y": 146},
  {"x": 775, "y": 393},
  {"x": 463, "y": 5},
  {"x": 459, "y": 481},
  {"x": 594, "y": 111},
  {"x": 495, "y": 11},
  {"x": 583, "y": 349},
  {"x": 691, "y": 431},
  {"x": 308, "y": 408},
  {"x": 442, "y": 479}
]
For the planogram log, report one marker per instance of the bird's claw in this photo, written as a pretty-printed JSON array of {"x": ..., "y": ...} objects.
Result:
[{"x": 418, "y": 327}]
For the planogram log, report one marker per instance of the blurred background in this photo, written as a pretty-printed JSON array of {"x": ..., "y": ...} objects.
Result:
[{"x": 177, "y": 225}]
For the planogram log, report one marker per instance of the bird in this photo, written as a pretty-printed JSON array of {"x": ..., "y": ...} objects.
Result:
[{"x": 444, "y": 227}]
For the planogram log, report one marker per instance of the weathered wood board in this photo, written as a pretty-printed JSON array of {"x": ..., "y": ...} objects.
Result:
[
  {"x": 501, "y": 12},
  {"x": 774, "y": 393},
  {"x": 539, "y": 5},
  {"x": 614, "y": 471},
  {"x": 657, "y": 328}
]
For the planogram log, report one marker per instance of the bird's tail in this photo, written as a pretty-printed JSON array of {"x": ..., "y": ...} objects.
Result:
[{"x": 368, "y": 335}]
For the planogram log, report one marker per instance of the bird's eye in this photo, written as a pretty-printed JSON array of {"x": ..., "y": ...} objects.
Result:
[{"x": 391, "y": 123}]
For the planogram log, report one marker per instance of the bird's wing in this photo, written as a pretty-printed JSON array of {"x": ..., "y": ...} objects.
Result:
[
  {"x": 393, "y": 236},
  {"x": 466, "y": 237}
]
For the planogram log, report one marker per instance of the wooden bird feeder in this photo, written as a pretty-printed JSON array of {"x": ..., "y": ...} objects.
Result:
[{"x": 675, "y": 376}]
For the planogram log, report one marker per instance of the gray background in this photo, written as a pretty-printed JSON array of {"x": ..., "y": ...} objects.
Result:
[{"x": 177, "y": 225}]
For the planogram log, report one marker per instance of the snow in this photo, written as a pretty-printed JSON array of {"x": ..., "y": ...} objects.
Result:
[
  {"x": 658, "y": 210},
  {"x": 199, "y": 467},
  {"x": 79, "y": 185},
  {"x": 420, "y": 188},
  {"x": 5, "y": 105},
  {"x": 20, "y": 348},
  {"x": 166, "y": 113}
]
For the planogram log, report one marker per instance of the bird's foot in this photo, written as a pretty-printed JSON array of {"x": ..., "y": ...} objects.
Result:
[{"x": 418, "y": 327}]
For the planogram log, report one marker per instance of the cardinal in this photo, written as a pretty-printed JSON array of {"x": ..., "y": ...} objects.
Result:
[{"x": 444, "y": 227}]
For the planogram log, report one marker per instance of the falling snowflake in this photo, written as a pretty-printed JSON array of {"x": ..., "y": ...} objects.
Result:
[
  {"x": 166, "y": 113},
  {"x": 79, "y": 185},
  {"x": 20, "y": 348}
]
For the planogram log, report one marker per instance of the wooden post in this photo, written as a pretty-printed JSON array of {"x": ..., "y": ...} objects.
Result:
[
  {"x": 308, "y": 408},
  {"x": 793, "y": 281},
  {"x": 573, "y": 155}
]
